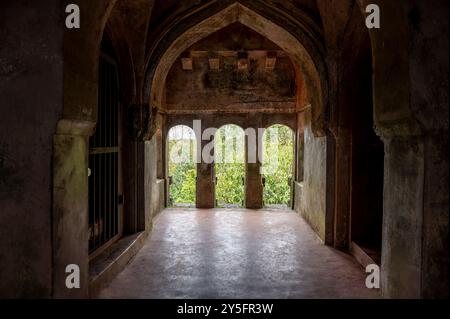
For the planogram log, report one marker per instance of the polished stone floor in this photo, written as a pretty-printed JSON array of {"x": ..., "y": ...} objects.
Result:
[{"x": 237, "y": 254}]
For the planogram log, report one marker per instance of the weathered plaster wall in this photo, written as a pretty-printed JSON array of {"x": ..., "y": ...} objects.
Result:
[
  {"x": 69, "y": 212},
  {"x": 429, "y": 67},
  {"x": 305, "y": 50},
  {"x": 30, "y": 105},
  {"x": 402, "y": 226},
  {"x": 419, "y": 243},
  {"x": 310, "y": 194},
  {"x": 230, "y": 88},
  {"x": 154, "y": 187}
]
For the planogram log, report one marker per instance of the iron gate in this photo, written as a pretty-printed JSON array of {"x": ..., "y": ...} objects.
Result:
[{"x": 105, "y": 220}]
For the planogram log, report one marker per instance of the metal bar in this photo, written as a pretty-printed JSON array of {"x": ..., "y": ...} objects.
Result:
[
  {"x": 105, "y": 169},
  {"x": 115, "y": 173},
  {"x": 104, "y": 150},
  {"x": 113, "y": 166},
  {"x": 100, "y": 199},
  {"x": 110, "y": 124},
  {"x": 104, "y": 161},
  {"x": 95, "y": 199},
  {"x": 115, "y": 194},
  {"x": 114, "y": 169}
]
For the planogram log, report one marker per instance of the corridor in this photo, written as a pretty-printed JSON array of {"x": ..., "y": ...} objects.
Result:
[
  {"x": 114, "y": 128},
  {"x": 217, "y": 253}
]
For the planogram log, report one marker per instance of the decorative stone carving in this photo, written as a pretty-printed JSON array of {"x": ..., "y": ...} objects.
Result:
[
  {"x": 151, "y": 124},
  {"x": 137, "y": 119}
]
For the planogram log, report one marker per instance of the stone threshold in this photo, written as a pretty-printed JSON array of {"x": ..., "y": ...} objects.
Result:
[
  {"x": 361, "y": 255},
  {"x": 106, "y": 266}
]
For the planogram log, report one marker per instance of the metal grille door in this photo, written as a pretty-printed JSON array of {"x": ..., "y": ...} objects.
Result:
[{"x": 104, "y": 163}]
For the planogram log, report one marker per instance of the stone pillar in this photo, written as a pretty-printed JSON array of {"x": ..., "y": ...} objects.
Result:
[
  {"x": 254, "y": 186},
  {"x": 253, "y": 178},
  {"x": 415, "y": 215},
  {"x": 70, "y": 206},
  {"x": 206, "y": 185},
  {"x": 435, "y": 254},
  {"x": 402, "y": 216}
]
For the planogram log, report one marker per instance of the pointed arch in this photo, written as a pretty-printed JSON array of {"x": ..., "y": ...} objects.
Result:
[{"x": 307, "y": 58}]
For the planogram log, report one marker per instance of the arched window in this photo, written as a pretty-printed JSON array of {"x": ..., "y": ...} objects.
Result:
[
  {"x": 229, "y": 155},
  {"x": 182, "y": 166},
  {"x": 278, "y": 166}
]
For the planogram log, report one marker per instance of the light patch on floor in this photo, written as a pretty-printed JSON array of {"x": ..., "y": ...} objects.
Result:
[{"x": 220, "y": 253}]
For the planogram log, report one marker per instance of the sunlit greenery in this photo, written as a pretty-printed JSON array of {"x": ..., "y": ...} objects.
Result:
[
  {"x": 182, "y": 166},
  {"x": 278, "y": 156},
  {"x": 230, "y": 167},
  {"x": 182, "y": 189},
  {"x": 229, "y": 151}
]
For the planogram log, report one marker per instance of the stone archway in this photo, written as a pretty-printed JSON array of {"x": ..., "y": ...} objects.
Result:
[
  {"x": 301, "y": 44},
  {"x": 308, "y": 63}
]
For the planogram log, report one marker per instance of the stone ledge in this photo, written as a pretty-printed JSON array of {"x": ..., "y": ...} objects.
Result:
[
  {"x": 106, "y": 266},
  {"x": 361, "y": 256}
]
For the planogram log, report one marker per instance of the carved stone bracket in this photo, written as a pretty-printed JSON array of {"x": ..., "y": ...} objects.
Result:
[
  {"x": 137, "y": 121},
  {"x": 152, "y": 124}
]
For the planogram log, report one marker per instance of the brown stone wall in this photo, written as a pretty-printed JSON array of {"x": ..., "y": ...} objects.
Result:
[
  {"x": 230, "y": 88},
  {"x": 31, "y": 91}
]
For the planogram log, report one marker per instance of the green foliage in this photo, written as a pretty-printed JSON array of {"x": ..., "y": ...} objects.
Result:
[
  {"x": 230, "y": 171},
  {"x": 230, "y": 186},
  {"x": 230, "y": 168},
  {"x": 183, "y": 170},
  {"x": 182, "y": 189},
  {"x": 277, "y": 167}
]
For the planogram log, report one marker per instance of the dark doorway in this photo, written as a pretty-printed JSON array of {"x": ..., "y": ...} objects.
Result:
[{"x": 367, "y": 165}]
